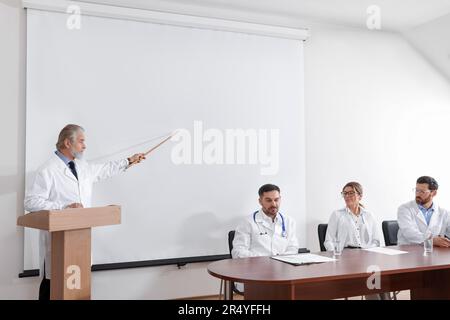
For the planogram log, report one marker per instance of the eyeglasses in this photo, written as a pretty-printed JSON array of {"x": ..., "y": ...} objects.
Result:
[
  {"x": 418, "y": 191},
  {"x": 348, "y": 193}
]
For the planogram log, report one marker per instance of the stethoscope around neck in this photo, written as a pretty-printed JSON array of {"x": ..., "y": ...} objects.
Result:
[{"x": 283, "y": 226}]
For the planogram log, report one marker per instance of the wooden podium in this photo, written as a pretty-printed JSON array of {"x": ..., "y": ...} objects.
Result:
[{"x": 70, "y": 231}]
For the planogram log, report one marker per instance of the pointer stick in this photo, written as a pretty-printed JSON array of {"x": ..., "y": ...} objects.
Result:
[
  {"x": 146, "y": 153},
  {"x": 167, "y": 139}
]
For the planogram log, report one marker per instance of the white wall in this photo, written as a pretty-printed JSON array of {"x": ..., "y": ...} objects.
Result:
[
  {"x": 366, "y": 94},
  {"x": 376, "y": 112},
  {"x": 432, "y": 41},
  {"x": 12, "y": 130}
]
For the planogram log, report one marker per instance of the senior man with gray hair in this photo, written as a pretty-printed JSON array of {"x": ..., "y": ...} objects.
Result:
[{"x": 66, "y": 181}]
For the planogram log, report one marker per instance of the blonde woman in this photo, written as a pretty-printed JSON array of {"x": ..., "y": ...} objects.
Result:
[{"x": 353, "y": 226}]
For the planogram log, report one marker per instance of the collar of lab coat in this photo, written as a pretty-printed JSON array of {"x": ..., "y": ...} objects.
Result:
[
  {"x": 264, "y": 219},
  {"x": 419, "y": 214},
  {"x": 62, "y": 157},
  {"x": 362, "y": 213},
  {"x": 62, "y": 166}
]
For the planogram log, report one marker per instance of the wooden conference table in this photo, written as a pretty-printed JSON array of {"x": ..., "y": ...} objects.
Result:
[{"x": 428, "y": 277}]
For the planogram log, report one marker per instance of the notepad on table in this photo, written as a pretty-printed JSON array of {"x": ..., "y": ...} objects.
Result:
[
  {"x": 303, "y": 258},
  {"x": 391, "y": 252}
]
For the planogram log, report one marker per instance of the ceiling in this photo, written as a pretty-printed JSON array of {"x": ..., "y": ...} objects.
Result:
[{"x": 396, "y": 15}]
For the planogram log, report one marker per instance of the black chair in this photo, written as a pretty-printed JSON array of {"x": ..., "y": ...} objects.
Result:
[
  {"x": 230, "y": 247},
  {"x": 390, "y": 230},
  {"x": 322, "y": 231},
  {"x": 230, "y": 240}
]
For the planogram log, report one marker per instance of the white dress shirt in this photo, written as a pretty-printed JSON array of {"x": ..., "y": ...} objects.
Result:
[{"x": 351, "y": 230}]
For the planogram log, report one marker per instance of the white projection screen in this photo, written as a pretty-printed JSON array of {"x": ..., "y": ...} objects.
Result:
[{"x": 127, "y": 82}]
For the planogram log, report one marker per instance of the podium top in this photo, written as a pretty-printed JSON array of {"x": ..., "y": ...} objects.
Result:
[{"x": 71, "y": 219}]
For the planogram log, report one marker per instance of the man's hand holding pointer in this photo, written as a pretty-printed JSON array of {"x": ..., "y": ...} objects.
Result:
[{"x": 136, "y": 158}]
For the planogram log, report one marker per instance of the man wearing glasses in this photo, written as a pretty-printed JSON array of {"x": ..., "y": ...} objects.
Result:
[{"x": 421, "y": 217}]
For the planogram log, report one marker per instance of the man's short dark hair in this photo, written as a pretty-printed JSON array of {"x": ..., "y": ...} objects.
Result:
[
  {"x": 267, "y": 188},
  {"x": 432, "y": 184}
]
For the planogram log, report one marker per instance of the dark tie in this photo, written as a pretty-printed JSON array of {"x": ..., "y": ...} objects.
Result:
[{"x": 72, "y": 168}]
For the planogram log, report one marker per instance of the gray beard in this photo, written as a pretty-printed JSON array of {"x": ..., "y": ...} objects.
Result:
[{"x": 78, "y": 155}]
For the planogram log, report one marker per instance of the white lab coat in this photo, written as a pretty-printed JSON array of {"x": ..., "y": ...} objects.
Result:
[
  {"x": 413, "y": 226},
  {"x": 342, "y": 227},
  {"x": 249, "y": 242},
  {"x": 55, "y": 187}
]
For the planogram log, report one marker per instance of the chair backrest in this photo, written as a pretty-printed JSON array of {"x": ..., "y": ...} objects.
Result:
[
  {"x": 230, "y": 240},
  {"x": 322, "y": 231},
  {"x": 390, "y": 230},
  {"x": 230, "y": 247}
]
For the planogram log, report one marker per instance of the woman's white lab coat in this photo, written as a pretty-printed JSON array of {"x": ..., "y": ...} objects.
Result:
[
  {"x": 413, "y": 226},
  {"x": 342, "y": 227},
  {"x": 55, "y": 187}
]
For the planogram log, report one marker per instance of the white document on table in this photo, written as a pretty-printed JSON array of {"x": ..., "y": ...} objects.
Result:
[
  {"x": 391, "y": 252},
  {"x": 303, "y": 258}
]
